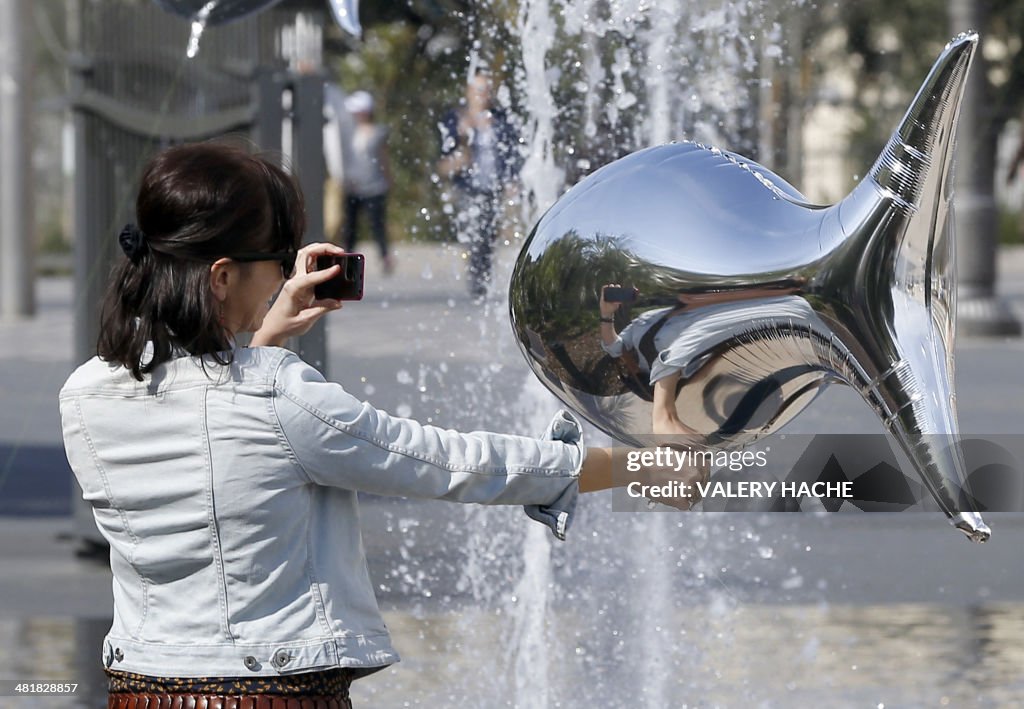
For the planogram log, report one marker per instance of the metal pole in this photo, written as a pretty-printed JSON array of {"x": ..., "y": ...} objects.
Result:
[
  {"x": 88, "y": 254},
  {"x": 979, "y": 310},
  {"x": 17, "y": 270},
  {"x": 268, "y": 88},
  {"x": 308, "y": 157}
]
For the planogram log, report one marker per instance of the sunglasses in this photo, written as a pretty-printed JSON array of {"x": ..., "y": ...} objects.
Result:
[{"x": 287, "y": 259}]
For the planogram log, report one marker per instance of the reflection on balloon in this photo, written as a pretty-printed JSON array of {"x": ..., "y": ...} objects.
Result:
[{"x": 740, "y": 301}]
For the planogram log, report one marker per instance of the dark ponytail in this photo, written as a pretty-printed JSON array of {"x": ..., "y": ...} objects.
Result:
[{"x": 197, "y": 203}]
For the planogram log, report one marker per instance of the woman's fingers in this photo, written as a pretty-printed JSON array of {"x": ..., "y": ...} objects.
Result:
[
  {"x": 318, "y": 277},
  {"x": 315, "y": 312},
  {"x": 305, "y": 259},
  {"x": 301, "y": 285},
  {"x": 327, "y": 303}
]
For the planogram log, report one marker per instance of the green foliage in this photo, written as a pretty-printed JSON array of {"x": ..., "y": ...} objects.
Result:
[
  {"x": 52, "y": 239},
  {"x": 412, "y": 91},
  {"x": 892, "y": 46},
  {"x": 1010, "y": 227}
]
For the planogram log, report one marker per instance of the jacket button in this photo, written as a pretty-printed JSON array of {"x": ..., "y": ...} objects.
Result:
[
  {"x": 118, "y": 655},
  {"x": 251, "y": 663},
  {"x": 281, "y": 658}
]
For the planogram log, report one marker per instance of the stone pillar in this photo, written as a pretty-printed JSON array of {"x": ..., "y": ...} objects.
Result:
[
  {"x": 979, "y": 310},
  {"x": 17, "y": 233}
]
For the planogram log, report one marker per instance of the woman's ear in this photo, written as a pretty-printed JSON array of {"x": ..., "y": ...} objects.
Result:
[{"x": 222, "y": 275}]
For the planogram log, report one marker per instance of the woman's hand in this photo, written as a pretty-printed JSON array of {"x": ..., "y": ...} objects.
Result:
[
  {"x": 682, "y": 482},
  {"x": 296, "y": 308},
  {"x": 605, "y": 468}
]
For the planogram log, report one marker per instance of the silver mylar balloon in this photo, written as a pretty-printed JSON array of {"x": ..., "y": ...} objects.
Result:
[
  {"x": 346, "y": 14},
  {"x": 750, "y": 299},
  {"x": 217, "y": 12}
]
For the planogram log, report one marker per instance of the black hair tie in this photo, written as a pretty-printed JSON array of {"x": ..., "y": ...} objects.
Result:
[{"x": 132, "y": 241}]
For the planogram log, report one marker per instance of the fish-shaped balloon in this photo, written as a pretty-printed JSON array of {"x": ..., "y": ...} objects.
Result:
[{"x": 687, "y": 290}]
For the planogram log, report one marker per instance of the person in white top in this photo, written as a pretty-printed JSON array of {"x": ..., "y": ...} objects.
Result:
[
  {"x": 480, "y": 156},
  {"x": 367, "y": 177}
]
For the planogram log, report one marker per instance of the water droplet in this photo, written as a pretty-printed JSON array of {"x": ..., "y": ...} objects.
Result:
[
  {"x": 403, "y": 376},
  {"x": 626, "y": 100},
  {"x": 404, "y": 410},
  {"x": 793, "y": 583},
  {"x": 765, "y": 552}
]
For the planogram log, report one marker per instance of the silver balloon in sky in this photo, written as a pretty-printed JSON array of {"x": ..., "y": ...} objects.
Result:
[{"x": 748, "y": 299}]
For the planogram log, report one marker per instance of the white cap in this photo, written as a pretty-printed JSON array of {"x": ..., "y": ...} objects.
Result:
[{"x": 359, "y": 102}]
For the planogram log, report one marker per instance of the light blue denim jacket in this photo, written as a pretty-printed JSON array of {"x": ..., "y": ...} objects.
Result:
[{"x": 228, "y": 497}]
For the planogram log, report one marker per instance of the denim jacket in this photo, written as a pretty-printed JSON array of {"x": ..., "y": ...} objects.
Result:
[{"x": 228, "y": 497}]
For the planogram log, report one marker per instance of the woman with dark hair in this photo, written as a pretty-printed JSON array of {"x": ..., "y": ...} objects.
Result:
[{"x": 225, "y": 477}]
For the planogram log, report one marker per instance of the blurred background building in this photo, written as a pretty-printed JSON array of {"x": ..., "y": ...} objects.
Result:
[{"x": 823, "y": 85}]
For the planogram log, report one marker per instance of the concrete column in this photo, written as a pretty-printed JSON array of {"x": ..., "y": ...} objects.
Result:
[
  {"x": 979, "y": 310},
  {"x": 308, "y": 157},
  {"x": 17, "y": 232}
]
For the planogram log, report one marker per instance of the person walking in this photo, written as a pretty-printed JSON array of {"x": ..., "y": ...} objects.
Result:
[
  {"x": 480, "y": 156},
  {"x": 367, "y": 177}
]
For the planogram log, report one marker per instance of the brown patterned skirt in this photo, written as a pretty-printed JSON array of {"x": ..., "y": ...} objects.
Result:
[{"x": 326, "y": 689}]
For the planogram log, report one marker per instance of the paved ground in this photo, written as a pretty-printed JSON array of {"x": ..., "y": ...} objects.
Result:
[{"x": 417, "y": 345}]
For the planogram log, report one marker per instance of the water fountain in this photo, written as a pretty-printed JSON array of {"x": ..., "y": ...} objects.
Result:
[
  {"x": 605, "y": 618},
  {"x": 636, "y": 610},
  {"x": 635, "y": 53}
]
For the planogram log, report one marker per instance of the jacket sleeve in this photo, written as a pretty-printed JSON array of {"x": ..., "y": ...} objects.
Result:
[
  {"x": 623, "y": 341},
  {"x": 339, "y": 441}
]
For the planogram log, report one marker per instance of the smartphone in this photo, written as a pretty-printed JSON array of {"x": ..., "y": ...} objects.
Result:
[
  {"x": 615, "y": 294},
  {"x": 348, "y": 284}
]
